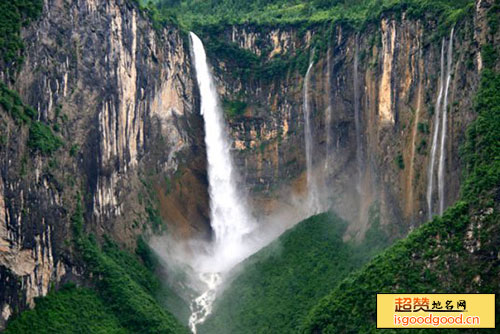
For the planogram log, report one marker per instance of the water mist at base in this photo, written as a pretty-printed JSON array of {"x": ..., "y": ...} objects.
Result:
[
  {"x": 199, "y": 270},
  {"x": 230, "y": 220}
]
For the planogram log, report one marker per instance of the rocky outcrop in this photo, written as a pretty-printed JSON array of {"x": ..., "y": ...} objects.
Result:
[{"x": 120, "y": 94}]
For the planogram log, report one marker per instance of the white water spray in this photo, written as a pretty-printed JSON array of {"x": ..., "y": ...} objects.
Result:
[
  {"x": 437, "y": 111},
  {"x": 444, "y": 127},
  {"x": 230, "y": 219},
  {"x": 312, "y": 187}
]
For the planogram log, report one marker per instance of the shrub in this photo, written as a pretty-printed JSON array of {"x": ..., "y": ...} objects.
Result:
[
  {"x": 423, "y": 128},
  {"x": 234, "y": 108},
  {"x": 42, "y": 139},
  {"x": 400, "y": 161},
  {"x": 13, "y": 15}
]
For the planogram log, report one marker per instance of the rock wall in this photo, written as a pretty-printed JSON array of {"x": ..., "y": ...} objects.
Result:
[
  {"x": 376, "y": 161},
  {"x": 120, "y": 94}
]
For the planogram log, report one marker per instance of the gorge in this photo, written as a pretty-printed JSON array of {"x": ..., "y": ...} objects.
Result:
[{"x": 226, "y": 167}]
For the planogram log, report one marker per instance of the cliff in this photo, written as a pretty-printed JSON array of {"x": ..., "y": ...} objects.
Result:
[
  {"x": 119, "y": 96},
  {"x": 373, "y": 94},
  {"x": 115, "y": 123}
]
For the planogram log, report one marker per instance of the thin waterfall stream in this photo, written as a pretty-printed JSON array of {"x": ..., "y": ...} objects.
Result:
[
  {"x": 437, "y": 112},
  {"x": 328, "y": 113},
  {"x": 312, "y": 187},
  {"x": 444, "y": 126},
  {"x": 357, "y": 117},
  {"x": 440, "y": 130}
]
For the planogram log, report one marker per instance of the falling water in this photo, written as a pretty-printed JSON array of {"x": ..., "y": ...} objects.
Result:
[
  {"x": 437, "y": 110},
  {"x": 357, "y": 118},
  {"x": 440, "y": 110},
  {"x": 328, "y": 113},
  {"x": 443, "y": 129},
  {"x": 230, "y": 219},
  {"x": 311, "y": 181}
]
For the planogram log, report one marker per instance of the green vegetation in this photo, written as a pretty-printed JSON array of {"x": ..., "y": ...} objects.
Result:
[
  {"x": 122, "y": 303},
  {"x": 73, "y": 151},
  {"x": 441, "y": 256},
  {"x": 41, "y": 137},
  {"x": 69, "y": 310},
  {"x": 279, "y": 284},
  {"x": 193, "y": 14},
  {"x": 423, "y": 128},
  {"x": 127, "y": 289},
  {"x": 15, "y": 14},
  {"x": 422, "y": 147},
  {"x": 154, "y": 217},
  {"x": 493, "y": 17},
  {"x": 400, "y": 161},
  {"x": 12, "y": 103},
  {"x": 212, "y": 19},
  {"x": 234, "y": 108},
  {"x": 128, "y": 297}
]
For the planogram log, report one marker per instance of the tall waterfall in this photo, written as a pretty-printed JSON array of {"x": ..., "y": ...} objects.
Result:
[
  {"x": 444, "y": 127},
  {"x": 437, "y": 111},
  {"x": 312, "y": 186},
  {"x": 440, "y": 110},
  {"x": 328, "y": 113},
  {"x": 357, "y": 117},
  {"x": 230, "y": 219}
]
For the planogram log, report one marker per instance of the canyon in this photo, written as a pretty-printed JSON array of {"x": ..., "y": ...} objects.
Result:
[{"x": 323, "y": 118}]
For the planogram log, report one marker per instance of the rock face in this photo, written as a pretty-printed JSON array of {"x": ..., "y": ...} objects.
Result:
[
  {"x": 121, "y": 95},
  {"x": 373, "y": 98}
]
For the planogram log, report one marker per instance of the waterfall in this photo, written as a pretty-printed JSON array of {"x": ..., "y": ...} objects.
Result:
[
  {"x": 440, "y": 110},
  {"x": 357, "y": 118},
  {"x": 328, "y": 113},
  {"x": 230, "y": 218},
  {"x": 443, "y": 128},
  {"x": 437, "y": 110},
  {"x": 313, "y": 200}
]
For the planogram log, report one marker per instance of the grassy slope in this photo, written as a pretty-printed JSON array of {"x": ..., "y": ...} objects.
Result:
[
  {"x": 70, "y": 310},
  {"x": 454, "y": 253},
  {"x": 123, "y": 298},
  {"x": 280, "y": 283}
]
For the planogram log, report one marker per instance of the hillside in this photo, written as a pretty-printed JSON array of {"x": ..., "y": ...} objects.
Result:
[
  {"x": 124, "y": 296},
  {"x": 457, "y": 252},
  {"x": 280, "y": 283},
  {"x": 454, "y": 253}
]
